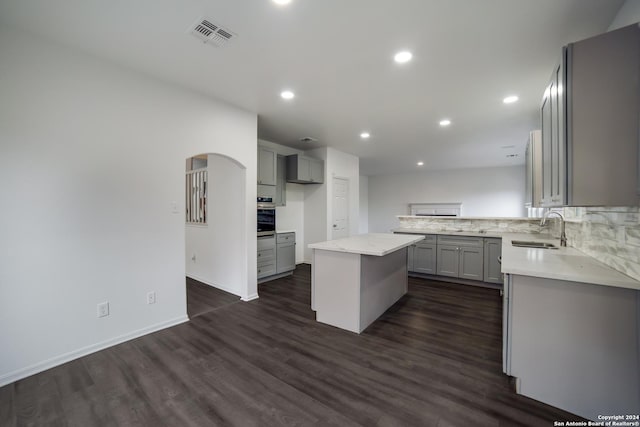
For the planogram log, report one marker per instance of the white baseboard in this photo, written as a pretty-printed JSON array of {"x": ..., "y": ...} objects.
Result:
[
  {"x": 250, "y": 297},
  {"x": 72, "y": 355}
]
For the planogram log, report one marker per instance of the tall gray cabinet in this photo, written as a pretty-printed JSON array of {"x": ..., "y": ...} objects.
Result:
[{"x": 267, "y": 165}]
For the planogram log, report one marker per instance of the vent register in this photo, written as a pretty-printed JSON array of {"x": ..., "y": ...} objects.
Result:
[{"x": 208, "y": 32}]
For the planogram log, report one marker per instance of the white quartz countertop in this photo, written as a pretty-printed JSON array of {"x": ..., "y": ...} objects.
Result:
[
  {"x": 378, "y": 244},
  {"x": 563, "y": 263}
]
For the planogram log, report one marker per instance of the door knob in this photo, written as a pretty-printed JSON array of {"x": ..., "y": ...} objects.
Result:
[{"x": 335, "y": 226}]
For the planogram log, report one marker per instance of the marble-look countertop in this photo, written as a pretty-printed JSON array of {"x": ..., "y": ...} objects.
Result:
[
  {"x": 457, "y": 218},
  {"x": 447, "y": 233},
  {"x": 563, "y": 263},
  {"x": 378, "y": 244}
]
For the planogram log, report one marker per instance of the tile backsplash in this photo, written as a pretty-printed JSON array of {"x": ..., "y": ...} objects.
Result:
[
  {"x": 501, "y": 225},
  {"x": 610, "y": 234}
]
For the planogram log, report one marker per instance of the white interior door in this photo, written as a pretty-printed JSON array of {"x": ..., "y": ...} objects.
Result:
[{"x": 340, "y": 220}]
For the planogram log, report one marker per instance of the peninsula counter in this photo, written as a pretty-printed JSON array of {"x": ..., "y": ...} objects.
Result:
[{"x": 356, "y": 279}]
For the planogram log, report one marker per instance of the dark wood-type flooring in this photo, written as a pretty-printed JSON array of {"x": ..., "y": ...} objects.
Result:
[
  {"x": 202, "y": 298},
  {"x": 434, "y": 359}
]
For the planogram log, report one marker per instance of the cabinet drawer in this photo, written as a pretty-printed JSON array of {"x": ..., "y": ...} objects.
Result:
[
  {"x": 429, "y": 239},
  {"x": 461, "y": 241},
  {"x": 266, "y": 255},
  {"x": 266, "y": 269},
  {"x": 285, "y": 237},
  {"x": 268, "y": 242}
]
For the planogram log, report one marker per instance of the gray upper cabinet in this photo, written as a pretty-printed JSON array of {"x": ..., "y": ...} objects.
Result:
[
  {"x": 267, "y": 166},
  {"x": 281, "y": 181},
  {"x": 304, "y": 170},
  {"x": 533, "y": 161},
  {"x": 317, "y": 171},
  {"x": 492, "y": 257},
  {"x": 554, "y": 167},
  {"x": 591, "y": 123}
]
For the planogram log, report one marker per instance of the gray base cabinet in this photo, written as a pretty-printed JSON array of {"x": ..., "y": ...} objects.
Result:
[
  {"x": 424, "y": 258},
  {"x": 447, "y": 264},
  {"x": 463, "y": 257},
  {"x": 285, "y": 252},
  {"x": 492, "y": 257},
  {"x": 266, "y": 256},
  {"x": 460, "y": 256},
  {"x": 471, "y": 263},
  {"x": 573, "y": 345},
  {"x": 276, "y": 255},
  {"x": 421, "y": 257}
]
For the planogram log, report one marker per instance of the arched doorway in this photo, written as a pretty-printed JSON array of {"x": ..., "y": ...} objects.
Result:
[{"x": 215, "y": 226}]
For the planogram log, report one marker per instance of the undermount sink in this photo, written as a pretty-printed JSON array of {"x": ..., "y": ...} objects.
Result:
[{"x": 539, "y": 245}]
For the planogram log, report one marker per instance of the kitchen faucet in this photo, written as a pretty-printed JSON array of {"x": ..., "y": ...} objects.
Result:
[{"x": 563, "y": 235}]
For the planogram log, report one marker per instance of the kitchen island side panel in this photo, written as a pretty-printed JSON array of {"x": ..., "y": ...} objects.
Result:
[
  {"x": 336, "y": 289},
  {"x": 575, "y": 346},
  {"x": 384, "y": 280}
]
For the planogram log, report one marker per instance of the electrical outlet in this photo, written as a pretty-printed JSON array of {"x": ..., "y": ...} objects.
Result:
[
  {"x": 103, "y": 309},
  {"x": 193, "y": 258},
  {"x": 151, "y": 297}
]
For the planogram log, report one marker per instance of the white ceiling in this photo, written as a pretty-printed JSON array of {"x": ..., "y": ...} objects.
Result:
[{"x": 337, "y": 56}]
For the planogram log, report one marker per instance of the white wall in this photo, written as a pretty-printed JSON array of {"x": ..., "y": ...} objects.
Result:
[
  {"x": 491, "y": 192},
  {"x": 343, "y": 165},
  {"x": 318, "y": 206},
  {"x": 628, "y": 14},
  {"x": 291, "y": 216},
  {"x": 214, "y": 252},
  {"x": 363, "y": 227},
  {"x": 92, "y": 156},
  {"x": 315, "y": 207}
]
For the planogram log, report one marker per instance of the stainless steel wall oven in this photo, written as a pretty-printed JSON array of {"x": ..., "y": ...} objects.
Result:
[{"x": 266, "y": 217}]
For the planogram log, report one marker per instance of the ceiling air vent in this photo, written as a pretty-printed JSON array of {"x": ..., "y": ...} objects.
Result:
[
  {"x": 308, "y": 139},
  {"x": 208, "y": 32}
]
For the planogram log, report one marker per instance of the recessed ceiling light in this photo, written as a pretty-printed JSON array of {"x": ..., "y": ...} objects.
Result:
[
  {"x": 402, "y": 57},
  {"x": 420, "y": 163},
  {"x": 287, "y": 94},
  {"x": 510, "y": 99},
  {"x": 445, "y": 122},
  {"x": 282, "y": 2},
  {"x": 365, "y": 135}
]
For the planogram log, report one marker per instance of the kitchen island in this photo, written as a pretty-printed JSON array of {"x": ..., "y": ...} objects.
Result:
[{"x": 356, "y": 279}]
